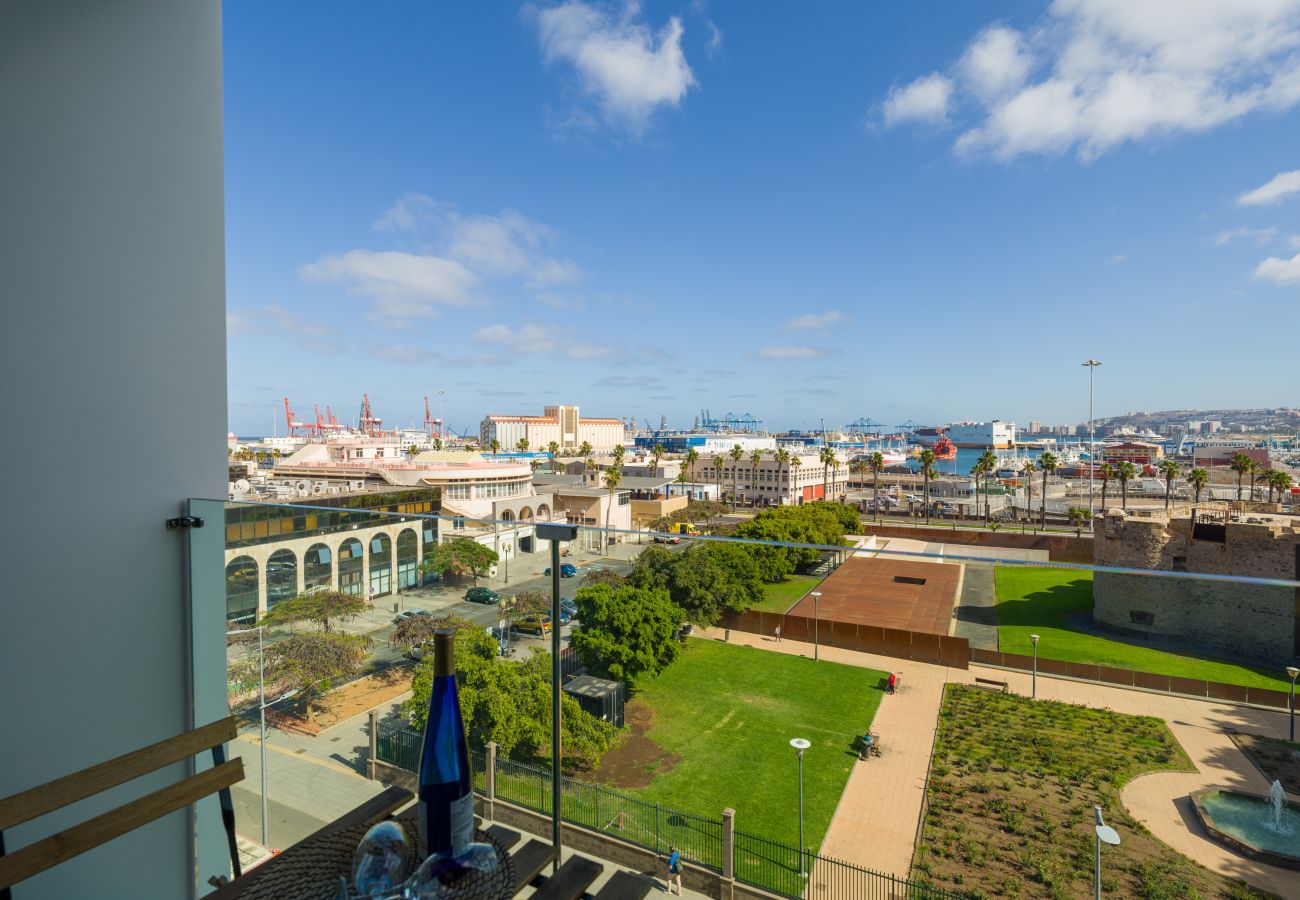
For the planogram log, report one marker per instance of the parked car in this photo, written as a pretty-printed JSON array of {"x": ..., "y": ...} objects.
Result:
[
  {"x": 534, "y": 624},
  {"x": 667, "y": 539},
  {"x": 569, "y": 607},
  {"x": 482, "y": 595},
  {"x": 567, "y": 570},
  {"x": 407, "y": 613}
]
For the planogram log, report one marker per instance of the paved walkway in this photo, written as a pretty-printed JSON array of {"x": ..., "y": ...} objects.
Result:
[
  {"x": 977, "y": 618},
  {"x": 875, "y": 822}
]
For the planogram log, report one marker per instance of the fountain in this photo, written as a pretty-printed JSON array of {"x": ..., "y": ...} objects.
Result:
[{"x": 1258, "y": 826}]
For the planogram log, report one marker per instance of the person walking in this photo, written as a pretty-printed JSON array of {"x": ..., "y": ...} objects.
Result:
[
  {"x": 674, "y": 870},
  {"x": 893, "y": 681},
  {"x": 777, "y": 632}
]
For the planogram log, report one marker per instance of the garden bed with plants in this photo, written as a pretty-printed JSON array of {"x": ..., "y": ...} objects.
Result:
[
  {"x": 1010, "y": 797},
  {"x": 1277, "y": 760}
]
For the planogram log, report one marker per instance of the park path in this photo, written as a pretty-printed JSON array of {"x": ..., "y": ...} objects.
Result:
[{"x": 875, "y": 822}]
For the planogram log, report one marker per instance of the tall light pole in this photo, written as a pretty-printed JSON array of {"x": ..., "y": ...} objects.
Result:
[
  {"x": 816, "y": 595},
  {"x": 261, "y": 710},
  {"x": 442, "y": 425},
  {"x": 1092, "y": 365},
  {"x": 1105, "y": 835},
  {"x": 1292, "y": 672},
  {"x": 800, "y": 745},
  {"x": 1034, "y": 689},
  {"x": 556, "y": 534}
]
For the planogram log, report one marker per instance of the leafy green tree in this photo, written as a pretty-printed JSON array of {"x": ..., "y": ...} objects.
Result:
[
  {"x": 1199, "y": 478},
  {"x": 627, "y": 633},
  {"x": 1048, "y": 464},
  {"x": 602, "y": 576},
  {"x": 619, "y": 452},
  {"x": 522, "y": 445},
  {"x": 437, "y": 443},
  {"x": 495, "y": 446},
  {"x": 795, "y": 464},
  {"x": 462, "y": 557},
  {"x": 736, "y": 453},
  {"x": 415, "y": 631},
  {"x": 1078, "y": 517},
  {"x": 1105, "y": 472},
  {"x": 324, "y": 608},
  {"x": 412, "y": 451},
  {"x": 553, "y": 448},
  {"x": 692, "y": 457},
  {"x": 656, "y": 454},
  {"x": 611, "y": 479},
  {"x": 705, "y": 579},
  {"x": 585, "y": 449},
  {"x": 876, "y": 462},
  {"x": 1170, "y": 470},
  {"x": 826, "y": 456},
  {"x": 818, "y": 523},
  {"x": 1241, "y": 464},
  {"x": 1279, "y": 481},
  {"x": 311, "y": 662},
  {"x": 1125, "y": 472},
  {"x": 528, "y": 603},
  {"x": 927, "y": 472}
]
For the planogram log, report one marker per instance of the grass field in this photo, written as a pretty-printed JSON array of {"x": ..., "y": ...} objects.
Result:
[
  {"x": 1040, "y": 601},
  {"x": 783, "y": 595},
  {"x": 728, "y": 713}
]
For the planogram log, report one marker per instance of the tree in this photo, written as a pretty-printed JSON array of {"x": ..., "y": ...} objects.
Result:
[
  {"x": 1169, "y": 469},
  {"x": 988, "y": 464},
  {"x": 1106, "y": 472},
  {"x": 553, "y": 448},
  {"x": 619, "y": 452},
  {"x": 736, "y": 453},
  {"x": 1199, "y": 478},
  {"x": 495, "y": 446},
  {"x": 628, "y": 633},
  {"x": 795, "y": 464},
  {"x": 835, "y": 478},
  {"x": 1078, "y": 516},
  {"x": 825, "y": 456},
  {"x": 718, "y": 464},
  {"x": 602, "y": 576},
  {"x": 877, "y": 463},
  {"x": 1125, "y": 472},
  {"x": 817, "y": 523},
  {"x": 585, "y": 449},
  {"x": 1241, "y": 464},
  {"x": 755, "y": 461},
  {"x": 1028, "y": 470},
  {"x": 656, "y": 453},
  {"x": 310, "y": 662},
  {"x": 324, "y": 608},
  {"x": 613, "y": 475},
  {"x": 522, "y": 445},
  {"x": 414, "y": 631},
  {"x": 692, "y": 457},
  {"x": 437, "y": 443},
  {"x": 705, "y": 579},
  {"x": 1281, "y": 481},
  {"x": 412, "y": 451},
  {"x": 858, "y": 466},
  {"x": 1255, "y": 471},
  {"x": 462, "y": 557},
  {"x": 927, "y": 472},
  {"x": 1048, "y": 464},
  {"x": 528, "y": 603}
]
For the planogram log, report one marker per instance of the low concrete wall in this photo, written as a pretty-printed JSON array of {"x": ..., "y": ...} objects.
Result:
[{"x": 1059, "y": 547}]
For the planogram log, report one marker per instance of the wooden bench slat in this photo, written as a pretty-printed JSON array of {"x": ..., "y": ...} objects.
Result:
[
  {"x": 530, "y": 860},
  {"x": 57, "y": 848},
  {"x": 571, "y": 881},
  {"x": 56, "y": 794},
  {"x": 374, "y": 809},
  {"x": 626, "y": 886},
  {"x": 506, "y": 837}
]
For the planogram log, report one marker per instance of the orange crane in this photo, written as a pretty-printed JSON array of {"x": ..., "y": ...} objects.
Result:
[
  {"x": 431, "y": 424},
  {"x": 370, "y": 423},
  {"x": 293, "y": 426}
]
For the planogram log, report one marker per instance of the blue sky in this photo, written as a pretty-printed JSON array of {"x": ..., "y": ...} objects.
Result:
[{"x": 927, "y": 211}]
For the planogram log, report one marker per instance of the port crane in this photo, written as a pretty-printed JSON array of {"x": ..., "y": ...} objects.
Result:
[
  {"x": 864, "y": 427},
  {"x": 369, "y": 423},
  {"x": 431, "y": 424},
  {"x": 296, "y": 427}
]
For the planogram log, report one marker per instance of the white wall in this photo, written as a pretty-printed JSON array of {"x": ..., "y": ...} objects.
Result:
[{"x": 113, "y": 338}]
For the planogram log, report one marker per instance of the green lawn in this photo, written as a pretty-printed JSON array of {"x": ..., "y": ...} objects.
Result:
[
  {"x": 730, "y": 711},
  {"x": 1040, "y": 601},
  {"x": 783, "y": 595}
]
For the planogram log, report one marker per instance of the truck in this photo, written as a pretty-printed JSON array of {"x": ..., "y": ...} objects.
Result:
[{"x": 687, "y": 528}]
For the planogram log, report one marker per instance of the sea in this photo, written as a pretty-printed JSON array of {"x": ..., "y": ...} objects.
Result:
[{"x": 965, "y": 460}]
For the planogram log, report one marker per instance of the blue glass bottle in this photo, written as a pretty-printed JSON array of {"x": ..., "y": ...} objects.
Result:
[{"x": 446, "y": 793}]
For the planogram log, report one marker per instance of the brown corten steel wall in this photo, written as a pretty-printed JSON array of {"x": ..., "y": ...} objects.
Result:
[{"x": 1060, "y": 547}]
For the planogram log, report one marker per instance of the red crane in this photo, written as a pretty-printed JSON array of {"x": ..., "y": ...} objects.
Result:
[
  {"x": 431, "y": 424},
  {"x": 294, "y": 426},
  {"x": 370, "y": 423}
]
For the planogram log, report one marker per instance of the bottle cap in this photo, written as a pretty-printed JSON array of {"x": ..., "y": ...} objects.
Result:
[{"x": 444, "y": 652}]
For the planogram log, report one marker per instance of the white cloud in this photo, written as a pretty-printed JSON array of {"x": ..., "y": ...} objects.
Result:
[
  {"x": 534, "y": 338},
  {"x": 237, "y": 323},
  {"x": 815, "y": 321},
  {"x": 1258, "y": 235},
  {"x": 1278, "y": 187},
  {"x": 995, "y": 62},
  {"x": 1294, "y": 241},
  {"x": 410, "y": 212},
  {"x": 285, "y": 322},
  {"x": 508, "y": 245},
  {"x": 793, "y": 352},
  {"x": 1114, "y": 71},
  {"x": 402, "y": 284},
  {"x": 924, "y": 100},
  {"x": 1280, "y": 271},
  {"x": 405, "y": 355},
  {"x": 629, "y": 69},
  {"x": 714, "y": 43},
  {"x": 1118, "y": 258}
]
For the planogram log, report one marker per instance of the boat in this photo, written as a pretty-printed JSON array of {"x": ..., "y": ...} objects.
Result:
[{"x": 944, "y": 448}]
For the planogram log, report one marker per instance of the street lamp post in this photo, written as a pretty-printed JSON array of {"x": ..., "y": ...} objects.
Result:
[
  {"x": 1092, "y": 365},
  {"x": 1033, "y": 695},
  {"x": 800, "y": 745},
  {"x": 816, "y": 595},
  {"x": 1105, "y": 835},
  {"x": 556, "y": 534},
  {"x": 1292, "y": 672},
  {"x": 442, "y": 427}
]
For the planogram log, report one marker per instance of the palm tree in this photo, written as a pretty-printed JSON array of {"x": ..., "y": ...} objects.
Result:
[
  {"x": 656, "y": 453},
  {"x": 1241, "y": 464},
  {"x": 553, "y": 448},
  {"x": 1046, "y": 462},
  {"x": 619, "y": 451},
  {"x": 737, "y": 453},
  {"x": 718, "y": 464},
  {"x": 988, "y": 463},
  {"x": 1255, "y": 471},
  {"x": 1199, "y": 479},
  {"x": 927, "y": 472},
  {"x": 1105, "y": 472},
  {"x": 825, "y": 456},
  {"x": 858, "y": 466},
  {"x": 782, "y": 458},
  {"x": 1170, "y": 470},
  {"x": 437, "y": 443},
  {"x": 835, "y": 478},
  {"x": 795, "y": 463},
  {"x": 1125, "y": 472},
  {"x": 692, "y": 457},
  {"x": 613, "y": 475},
  {"x": 1281, "y": 481},
  {"x": 522, "y": 445},
  {"x": 876, "y": 462},
  {"x": 585, "y": 450},
  {"x": 755, "y": 460},
  {"x": 1028, "y": 470},
  {"x": 495, "y": 446}
]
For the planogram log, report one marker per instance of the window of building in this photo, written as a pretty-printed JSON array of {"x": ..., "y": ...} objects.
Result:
[
  {"x": 318, "y": 570},
  {"x": 241, "y": 590},
  {"x": 281, "y": 577},
  {"x": 1141, "y": 617},
  {"x": 351, "y": 565},
  {"x": 381, "y": 565},
  {"x": 408, "y": 559}
]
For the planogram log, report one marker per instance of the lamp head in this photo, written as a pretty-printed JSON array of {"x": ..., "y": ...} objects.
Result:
[
  {"x": 1292, "y": 672},
  {"x": 1034, "y": 638},
  {"x": 800, "y": 744}
]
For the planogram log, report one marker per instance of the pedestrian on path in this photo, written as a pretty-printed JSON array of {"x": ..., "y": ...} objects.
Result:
[
  {"x": 893, "y": 681},
  {"x": 777, "y": 632},
  {"x": 674, "y": 870}
]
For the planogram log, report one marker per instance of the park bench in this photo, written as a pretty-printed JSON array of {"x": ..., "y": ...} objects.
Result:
[
  {"x": 49, "y": 852},
  {"x": 991, "y": 684}
]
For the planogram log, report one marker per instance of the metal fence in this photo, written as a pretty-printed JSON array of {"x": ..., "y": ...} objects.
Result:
[{"x": 757, "y": 861}]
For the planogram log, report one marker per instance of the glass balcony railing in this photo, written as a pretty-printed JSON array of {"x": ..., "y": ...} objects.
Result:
[{"x": 1013, "y": 677}]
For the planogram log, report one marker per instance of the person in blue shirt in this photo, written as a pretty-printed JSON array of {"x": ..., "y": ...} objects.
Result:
[{"x": 674, "y": 870}]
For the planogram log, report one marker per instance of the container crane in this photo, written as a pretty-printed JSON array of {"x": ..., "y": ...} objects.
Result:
[
  {"x": 295, "y": 427},
  {"x": 370, "y": 424},
  {"x": 431, "y": 424}
]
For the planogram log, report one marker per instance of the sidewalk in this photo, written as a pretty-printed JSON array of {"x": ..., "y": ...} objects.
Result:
[{"x": 875, "y": 823}]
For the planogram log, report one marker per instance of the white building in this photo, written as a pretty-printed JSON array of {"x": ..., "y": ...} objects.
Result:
[
  {"x": 771, "y": 483},
  {"x": 560, "y": 424},
  {"x": 983, "y": 435}
]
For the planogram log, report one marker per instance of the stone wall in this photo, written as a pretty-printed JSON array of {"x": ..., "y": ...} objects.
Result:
[{"x": 1237, "y": 620}]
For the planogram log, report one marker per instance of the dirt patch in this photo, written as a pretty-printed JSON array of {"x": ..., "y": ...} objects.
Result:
[
  {"x": 352, "y": 699},
  {"x": 637, "y": 760},
  {"x": 1278, "y": 760}
]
